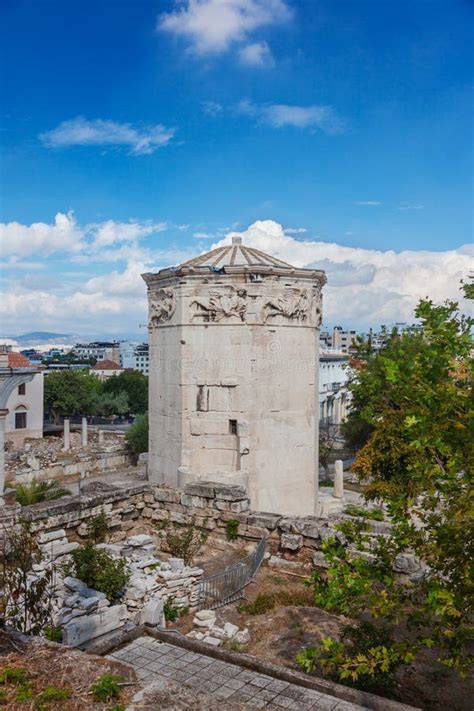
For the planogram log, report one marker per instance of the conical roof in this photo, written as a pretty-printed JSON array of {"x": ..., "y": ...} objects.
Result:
[
  {"x": 235, "y": 254},
  {"x": 233, "y": 259}
]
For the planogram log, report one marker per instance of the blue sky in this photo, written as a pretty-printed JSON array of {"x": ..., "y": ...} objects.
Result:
[{"x": 350, "y": 120}]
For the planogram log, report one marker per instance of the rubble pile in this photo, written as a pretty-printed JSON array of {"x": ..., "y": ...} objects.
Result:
[{"x": 210, "y": 633}]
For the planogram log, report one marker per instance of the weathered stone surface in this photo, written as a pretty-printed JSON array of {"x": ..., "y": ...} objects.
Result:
[
  {"x": 83, "y": 629},
  {"x": 308, "y": 527},
  {"x": 240, "y": 506},
  {"x": 198, "y": 501},
  {"x": 230, "y": 630},
  {"x": 242, "y": 637},
  {"x": 291, "y": 541},
  {"x": 49, "y": 536},
  {"x": 74, "y": 584},
  {"x": 213, "y": 641},
  {"x": 166, "y": 495},
  {"x": 202, "y": 488},
  {"x": 264, "y": 520},
  {"x": 227, "y": 492},
  {"x": 406, "y": 563},
  {"x": 152, "y": 614}
]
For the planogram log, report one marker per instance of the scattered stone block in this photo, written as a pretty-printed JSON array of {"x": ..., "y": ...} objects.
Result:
[
  {"x": 152, "y": 614},
  {"x": 242, "y": 637},
  {"x": 81, "y": 630},
  {"x": 49, "y": 536},
  {"x": 213, "y": 641},
  {"x": 230, "y": 630},
  {"x": 291, "y": 541},
  {"x": 74, "y": 584}
]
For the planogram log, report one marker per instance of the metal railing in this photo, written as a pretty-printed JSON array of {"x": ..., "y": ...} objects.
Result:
[{"x": 222, "y": 588}]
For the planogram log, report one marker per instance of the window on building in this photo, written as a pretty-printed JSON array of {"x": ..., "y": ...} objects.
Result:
[
  {"x": 20, "y": 420},
  {"x": 22, "y": 389},
  {"x": 233, "y": 427}
]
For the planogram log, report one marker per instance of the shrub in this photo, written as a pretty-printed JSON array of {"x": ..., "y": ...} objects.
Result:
[
  {"x": 170, "y": 611},
  {"x": 25, "y": 602},
  {"x": 232, "y": 529},
  {"x": 137, "y": 436},
  {"x": 54, "y": 634},
  {"x": 98, "y": 570},
  {"x": 98, "y": 528},
  {"x": 37, "y": 491},
  {"x": 363, "y": 658},
  {"x": 106, "y": 687},
  {"x": 185, "y": 543}
]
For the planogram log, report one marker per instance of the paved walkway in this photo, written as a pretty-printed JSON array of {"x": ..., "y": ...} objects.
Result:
[{"x": 157, "y": 661}]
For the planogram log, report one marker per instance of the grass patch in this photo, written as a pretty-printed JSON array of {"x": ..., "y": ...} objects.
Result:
[
  {"x": 106, "y": 687},
  {"x": 265, "y": 602},
  {"x": 360, "y": 511}
]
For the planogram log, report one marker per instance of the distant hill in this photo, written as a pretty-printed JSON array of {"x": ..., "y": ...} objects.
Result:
[{"x": 41, "y": 336}]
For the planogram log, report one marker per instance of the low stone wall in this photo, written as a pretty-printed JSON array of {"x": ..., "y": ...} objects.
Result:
[{"x": 144, "y": 508}]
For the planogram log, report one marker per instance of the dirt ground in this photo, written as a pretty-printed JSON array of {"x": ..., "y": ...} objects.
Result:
[
  {"x": 278, "y": 635},
  {"x": 49, "y": 665}
]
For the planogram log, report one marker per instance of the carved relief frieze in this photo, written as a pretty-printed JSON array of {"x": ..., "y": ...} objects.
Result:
[
  {"x": 295, "y": 304},
  {"x": 226, "y": 303},
  {"x": 162, "y": 306}
]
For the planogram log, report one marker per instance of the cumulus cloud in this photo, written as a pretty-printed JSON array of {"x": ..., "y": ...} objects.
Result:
[
  {"x": 212, "y": 26},
  {"x": 111, "y": 232},
  {"x": 212, "y": 108},
  {"x": 366, "y": 287},
  {"x": 256, "y": 54},
  {"x": 81, "y": 132},
  {"x": 63, "y": 235},
  {"x": 313, "y": 117}
]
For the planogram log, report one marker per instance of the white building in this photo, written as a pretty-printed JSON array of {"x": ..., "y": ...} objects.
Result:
[
  {"x": 100, "y": 350},
  {"x": 22, "y": 389},
  {"x": 234, "y": 395},
  {"x": 135, "y": 356},
  {"x": 334, "y": 398},
  {"x": 105, "y": 369}
]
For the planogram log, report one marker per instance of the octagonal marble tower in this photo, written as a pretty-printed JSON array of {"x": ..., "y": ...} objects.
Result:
[{"x": 233, "y": 376}]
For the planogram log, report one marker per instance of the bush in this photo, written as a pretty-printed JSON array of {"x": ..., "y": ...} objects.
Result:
[
  {"x": 98, "y": 528},
  {"x": 185, "y": 543},
  {"x": 54, "y": 634},
  {"x": 170, "y": 611},
  {"x": 106, "y": 687},
  {"x": 232, "y": 530},
  {"x": 137, "y": 436},
  {"x": 364, "y": 658},
  {"x": 37, "y": 491},
  {"x": 98, "y": 570}
]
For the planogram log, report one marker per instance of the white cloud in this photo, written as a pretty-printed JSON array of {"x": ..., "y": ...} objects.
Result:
[
  {"x": 368, "y": 203},
  {"x": 65, "y": 235},
  {"x": 82, "y": 132},
  {"x": 212, "y": 108},
  {"x": 212, "y": 26},
  {"x": 256, "y": 54},
  {"x": 111, "y": 232},
  {"x": 295, "y": 230},
  {"x": 41, "y": 238},
  {"x": 202, "y": 235},
  {"x": 366, "y": 287},
  {"x": 303, "y": 117}
]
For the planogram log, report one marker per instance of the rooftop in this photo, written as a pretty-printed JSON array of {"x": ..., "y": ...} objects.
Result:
[
  {"x": 106, "y": 365},
  {"x": 234, "y": 258}
]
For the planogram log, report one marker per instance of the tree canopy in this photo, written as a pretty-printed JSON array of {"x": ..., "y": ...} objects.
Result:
[
  {"x": 414, "y": 398},
  {"x": 135, "y": 385},
  {"x": 70, "y": 392}
]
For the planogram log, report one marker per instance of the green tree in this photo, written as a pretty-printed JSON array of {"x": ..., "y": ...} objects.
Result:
[
  {"x": 137, "y": 436},
  {"x": 415, "y": 395},
  {"x": 135, "y": 385},
  {"x": 71, "y": 392},
  {"x": 109, "y": 404}
]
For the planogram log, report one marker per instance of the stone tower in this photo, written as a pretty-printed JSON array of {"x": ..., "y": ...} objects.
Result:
[{"x": 234, "y": 347}]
